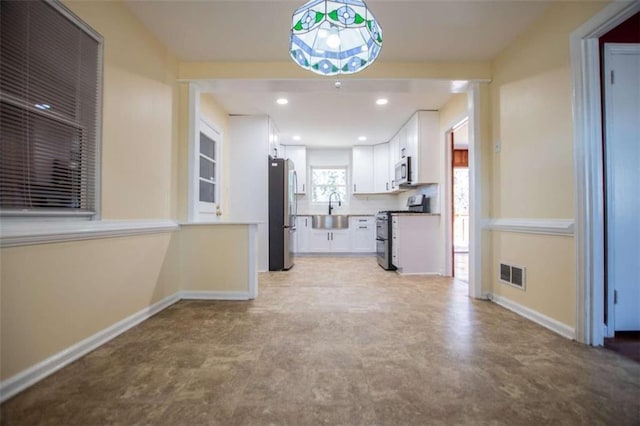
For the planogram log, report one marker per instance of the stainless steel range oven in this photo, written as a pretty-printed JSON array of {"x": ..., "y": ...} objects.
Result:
[{"x": 383, "y": 240}]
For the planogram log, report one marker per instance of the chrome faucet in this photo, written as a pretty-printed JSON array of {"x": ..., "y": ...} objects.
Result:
[{"x": 339, "y": 202}]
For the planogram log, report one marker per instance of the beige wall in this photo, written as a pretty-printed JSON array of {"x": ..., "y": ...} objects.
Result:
[
  {"x": 532, "y": 176},
  {"x": 214, "y": 258},
  {"x": 453, "y": 111},
  {"x": 55, "y": 295},
  {"x": 139, "y": 119}
]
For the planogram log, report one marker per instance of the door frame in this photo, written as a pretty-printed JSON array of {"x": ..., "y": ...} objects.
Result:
[
  {"x": 476, "y": 208},
  {"x": 589, "y": 169},
  {"x": 448, "y": 190}
]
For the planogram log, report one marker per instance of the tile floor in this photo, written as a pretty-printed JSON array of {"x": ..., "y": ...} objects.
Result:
[{"x": 338, "y": 341}]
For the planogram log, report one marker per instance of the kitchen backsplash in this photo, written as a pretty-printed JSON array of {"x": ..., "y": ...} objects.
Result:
[
  {"x": 370, "y": 204},
  {"x": 430, "y": 191},
  {"x": 357, "y": 204}
]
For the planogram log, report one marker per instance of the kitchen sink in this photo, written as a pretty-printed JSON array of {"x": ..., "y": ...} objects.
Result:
[{"x": 326, "y": 221}]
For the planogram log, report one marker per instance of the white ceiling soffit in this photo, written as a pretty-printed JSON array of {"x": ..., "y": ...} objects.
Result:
[
  {"x": 413, "y": 30},
  {"x": 324, "y": 116}
]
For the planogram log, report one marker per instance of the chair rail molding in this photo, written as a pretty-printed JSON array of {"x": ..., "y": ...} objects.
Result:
[
  {"x": 21, "y": 233},
  {"x": 559, "y": 227}
]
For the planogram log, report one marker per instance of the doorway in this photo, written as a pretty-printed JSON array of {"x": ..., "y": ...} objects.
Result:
[
  {"x": 459, "y": 145},
  {"x": 591, "y": 252}
]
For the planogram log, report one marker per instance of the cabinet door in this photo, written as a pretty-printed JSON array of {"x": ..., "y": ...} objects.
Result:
[
  {"x": 430, "y": 148},
  {"x": 363, "y": 235},
  {"x": 402, "y": 142},
  {"x": 319, "y": 241},
  {"x": 303, "y": 226},
  {"x": 298, "y": 154},
  {"x": 381, "y": 181},
  {"x": 274, "y": 143},
  {"x": 339, "y": 240},
  {"x": 394, "y": 157},
  {"x": 362, "y": 170},
  {"x": 411, "y": 147}
]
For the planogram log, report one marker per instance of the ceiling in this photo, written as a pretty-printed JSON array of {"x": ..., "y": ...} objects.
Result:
[{"x": 414, "y": 31}]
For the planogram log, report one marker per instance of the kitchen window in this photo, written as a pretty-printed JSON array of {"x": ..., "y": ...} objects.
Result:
[
  {"x": 50, "y": 116},
  {"x": 326, "y": 180}
]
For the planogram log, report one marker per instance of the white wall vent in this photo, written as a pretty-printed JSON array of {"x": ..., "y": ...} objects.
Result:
[{"x": 512, "y": 275}]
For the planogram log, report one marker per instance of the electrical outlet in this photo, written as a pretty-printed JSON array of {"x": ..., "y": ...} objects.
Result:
[{"x": 497, "y": 147}]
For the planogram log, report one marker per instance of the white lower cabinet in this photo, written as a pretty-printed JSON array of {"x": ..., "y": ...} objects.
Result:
[
  {"x": 328, "y": 241},
  {"x": 360, "y": 237},
  {"x": 363, "y": 234},
  {"x": 303, "y": 226},
  {"x": 415, "y": 244}
]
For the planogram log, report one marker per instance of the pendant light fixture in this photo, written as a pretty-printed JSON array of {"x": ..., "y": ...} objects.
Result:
[{"x": 332, "y": 37}]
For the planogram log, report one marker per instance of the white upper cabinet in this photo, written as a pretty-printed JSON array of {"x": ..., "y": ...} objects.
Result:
[
  {"x": 381, "y": 169},
  {"x": 425, "y": 147},
  {"x": 298, "y": 154},
  {"x": 419, "y": 139},
  {"x": 411, "y": 136},
  {"x": 362, "y": 170},
  {"x": 274, "y": 145},
  {"x": 394, "y": 157}
]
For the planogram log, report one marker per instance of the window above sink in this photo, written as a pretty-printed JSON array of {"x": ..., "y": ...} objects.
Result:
[{"x": 327, "y": 180}]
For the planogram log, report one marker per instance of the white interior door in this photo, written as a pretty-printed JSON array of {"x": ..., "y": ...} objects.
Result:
[{"x": 622, "y": 158}]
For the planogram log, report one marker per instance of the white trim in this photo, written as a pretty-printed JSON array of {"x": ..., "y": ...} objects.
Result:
[
  {"x": 14, "y": 234},
  {"x": 445, "y": 196},
  {"x": 535, "y": 316},
  {"x": 475, "y": 192},
  {"x": 588, "y": 158},
  {"x": 214, "y": 295},
  {"x": 558, "y": 227},
  {"x": 194, "y": 132},
  {"x": 32, "y": 375}
]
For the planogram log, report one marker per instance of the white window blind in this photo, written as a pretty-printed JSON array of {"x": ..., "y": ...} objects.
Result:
[{"x": 50, "y": 94}]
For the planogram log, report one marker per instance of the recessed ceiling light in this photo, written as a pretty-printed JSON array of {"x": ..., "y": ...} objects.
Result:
[
  {"x": 362, "y": 138},
  {"x": 282, "y": 101},
  {"x": 382, "y": 101},
  {"x": 296, "y": 137}
]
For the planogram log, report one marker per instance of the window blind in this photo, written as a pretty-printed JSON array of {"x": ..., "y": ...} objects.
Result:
[{"x": 50, "y": 90}]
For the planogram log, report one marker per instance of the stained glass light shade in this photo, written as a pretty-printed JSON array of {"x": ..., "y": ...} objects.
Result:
[{"x": 332, "y": 37}]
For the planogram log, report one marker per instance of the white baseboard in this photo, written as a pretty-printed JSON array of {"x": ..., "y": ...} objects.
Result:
[
  {"x": 215, "y": 295},
  {"x": 32, "y": 375},
  {"x": 535, "y": 316}
]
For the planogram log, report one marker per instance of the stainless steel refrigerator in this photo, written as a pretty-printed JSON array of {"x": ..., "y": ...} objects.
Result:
[{"x": 283, "y": 208}]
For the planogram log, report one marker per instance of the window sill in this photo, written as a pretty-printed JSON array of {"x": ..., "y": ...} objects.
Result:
[{"x": 28, "y": 233}]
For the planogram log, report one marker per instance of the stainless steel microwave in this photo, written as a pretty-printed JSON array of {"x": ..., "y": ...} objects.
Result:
[{"x": 403, "y": 171}]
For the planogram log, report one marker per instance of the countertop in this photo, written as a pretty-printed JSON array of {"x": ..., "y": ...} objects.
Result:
[
  {"x": 414, "y": 214},
  {"x": 337, "y": 214}
]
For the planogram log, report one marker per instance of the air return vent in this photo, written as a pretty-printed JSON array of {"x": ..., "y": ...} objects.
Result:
[{"x": 512, "y": 275}]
